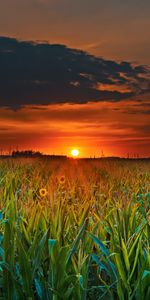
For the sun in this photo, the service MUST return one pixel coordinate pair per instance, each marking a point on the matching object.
(75, 152)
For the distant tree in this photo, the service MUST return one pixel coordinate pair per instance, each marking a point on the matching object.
(26, 153)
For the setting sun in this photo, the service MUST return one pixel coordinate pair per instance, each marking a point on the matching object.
(75, 152)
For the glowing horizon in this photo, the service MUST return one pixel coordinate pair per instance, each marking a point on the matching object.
(67, 82)
(84, 127)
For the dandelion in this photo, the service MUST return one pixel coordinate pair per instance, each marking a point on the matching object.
(62, 180)
(43, 192)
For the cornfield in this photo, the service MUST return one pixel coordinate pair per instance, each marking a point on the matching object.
(74, 229)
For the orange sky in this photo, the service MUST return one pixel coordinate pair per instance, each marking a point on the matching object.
(96, 105)
(92, 128)
(113, 29)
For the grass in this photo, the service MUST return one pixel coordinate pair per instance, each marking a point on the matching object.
(86, 237)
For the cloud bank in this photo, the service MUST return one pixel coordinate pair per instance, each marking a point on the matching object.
(41, 74)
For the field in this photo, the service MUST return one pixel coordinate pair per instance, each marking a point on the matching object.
(74, 229)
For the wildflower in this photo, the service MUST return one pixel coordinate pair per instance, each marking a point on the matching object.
(62, 180)
(43, 192)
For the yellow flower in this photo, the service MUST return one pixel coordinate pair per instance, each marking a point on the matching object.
(62, 180)
(43, 192)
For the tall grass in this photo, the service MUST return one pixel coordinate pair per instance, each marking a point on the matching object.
(87, 238)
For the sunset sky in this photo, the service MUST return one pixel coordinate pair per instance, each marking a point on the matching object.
(75, 74)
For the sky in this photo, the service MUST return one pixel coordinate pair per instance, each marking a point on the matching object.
(75, 74)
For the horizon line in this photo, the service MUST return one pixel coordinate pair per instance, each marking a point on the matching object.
(36, 153)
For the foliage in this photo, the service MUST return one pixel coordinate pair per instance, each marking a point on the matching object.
(86, 237)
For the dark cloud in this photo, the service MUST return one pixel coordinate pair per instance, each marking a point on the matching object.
(41, 73)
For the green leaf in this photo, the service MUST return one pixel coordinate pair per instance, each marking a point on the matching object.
(135, 260)
(97, 241)
(38, 288)
(125, 255)
(51, 243)
(145, 274)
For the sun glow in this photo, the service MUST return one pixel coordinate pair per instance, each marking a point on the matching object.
(75, 152)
